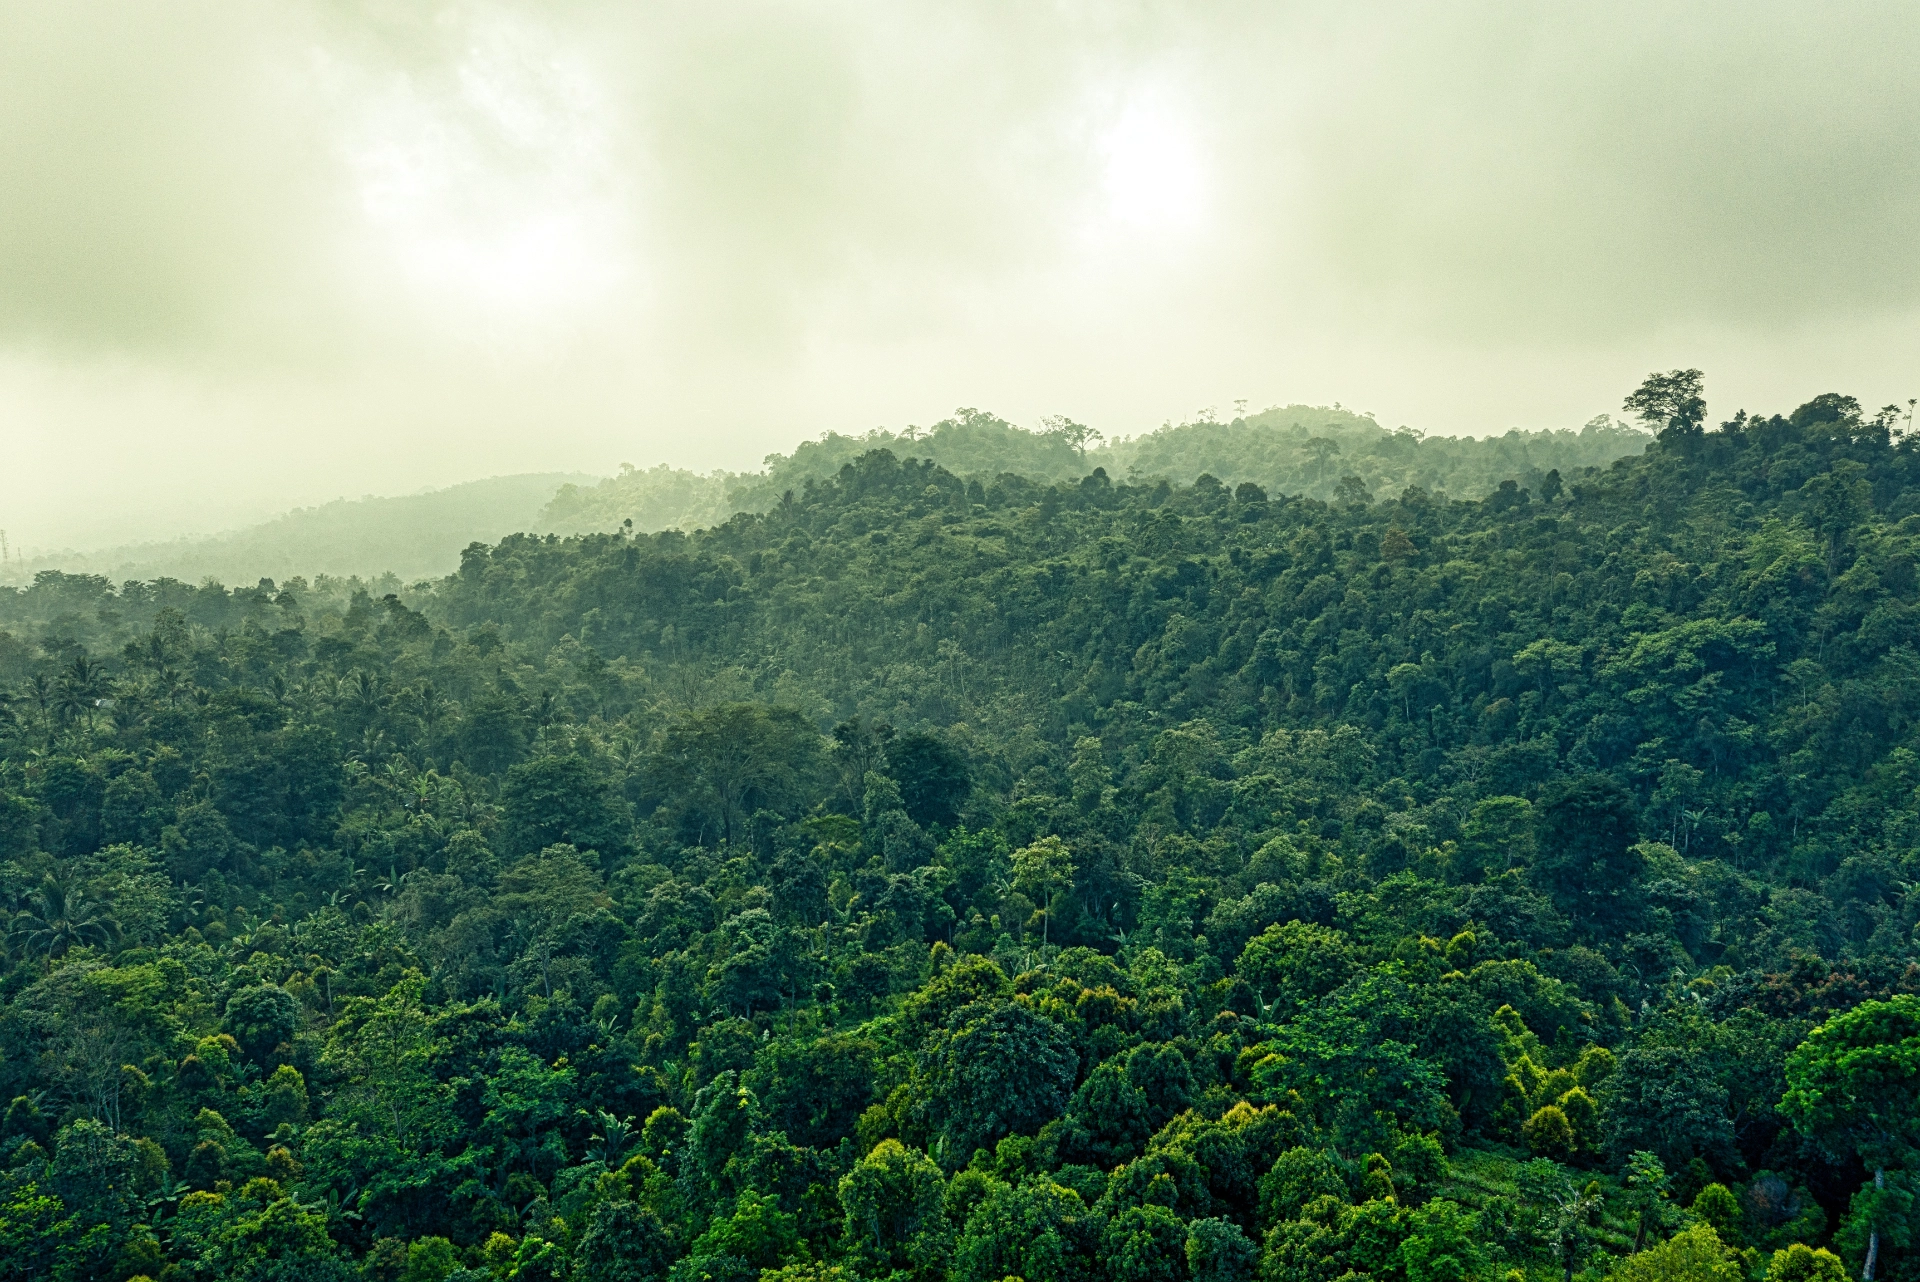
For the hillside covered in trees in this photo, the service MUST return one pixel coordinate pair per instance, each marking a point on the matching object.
(409, 537)
(1294, 449)
(393, 540)
(935, 878)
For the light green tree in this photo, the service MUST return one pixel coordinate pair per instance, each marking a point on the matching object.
(895, 1222)
(1042, 869)
(1695, 1255)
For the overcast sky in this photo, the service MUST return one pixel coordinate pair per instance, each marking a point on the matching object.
(254, 256)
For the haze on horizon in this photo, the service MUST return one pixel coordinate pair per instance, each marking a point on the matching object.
(258, 257)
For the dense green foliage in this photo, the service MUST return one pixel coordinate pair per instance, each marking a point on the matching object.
(939, 878)
(1295, 449)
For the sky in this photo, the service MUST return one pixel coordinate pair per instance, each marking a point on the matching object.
(260, 256)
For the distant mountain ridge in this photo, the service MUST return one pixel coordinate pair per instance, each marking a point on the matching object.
(1294, 449)
(411, 536)
(1317, 451)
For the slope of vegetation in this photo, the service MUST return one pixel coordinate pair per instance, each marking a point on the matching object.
(939, 878)
(1307, 451)
(411, 537)
(655, 498)
(1298, 449)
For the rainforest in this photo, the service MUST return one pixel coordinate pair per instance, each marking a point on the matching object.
(935, 874)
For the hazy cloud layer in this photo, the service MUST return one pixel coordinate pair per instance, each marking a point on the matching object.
(253, 256)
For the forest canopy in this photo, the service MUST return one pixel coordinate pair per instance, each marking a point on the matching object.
(388, 541)
(1296, 449)
(938, 875)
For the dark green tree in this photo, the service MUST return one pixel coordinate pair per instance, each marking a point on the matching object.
(735, 759)
(1003, 1070)
(934, 778)
(896, 1221)
(563, 800)
(261, 1017)
(1671, 403)
(625, 1242)
(1586, 856)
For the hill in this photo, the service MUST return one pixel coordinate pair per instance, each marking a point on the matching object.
(957, 878)
(411, 536)
(1292, 450)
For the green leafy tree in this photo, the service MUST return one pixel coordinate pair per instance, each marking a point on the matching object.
(524, 1098)
(1296, 963)
(934, 778)
(1693, 1255)
(1298, 1177)
(430, 1259)
(1343, 1063)
(625, 1242)
(1037, 1230)
(552, 801)
(1043, 869)
(1218, 1250)
(39, 1237)
(1145, 1244)
(1111, 1118)
(550, 900)
(1649, 1194)
(257, 1234)
(895, 1214)
(1715, 1205)
(735, 759)
(1003, 1071)
(1838, 502)
(1443, 1244)
(261, 1017)
(1802, 1263)
(387, 1121)
(1587, 859)
(1498, 835)
(1853, 1085)
(1670, 403)
(1666, 1101)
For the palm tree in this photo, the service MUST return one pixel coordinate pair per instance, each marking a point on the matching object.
(611, 1137)
(169, 682)
(366, 695)
(432, 706)
(82, 685)
(42, 695)
(59, 918)
(69, 704)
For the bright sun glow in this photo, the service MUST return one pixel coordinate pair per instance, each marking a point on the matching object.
(1153, 176)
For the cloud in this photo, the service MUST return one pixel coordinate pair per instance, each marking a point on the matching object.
(328, 246)
(1601, 170)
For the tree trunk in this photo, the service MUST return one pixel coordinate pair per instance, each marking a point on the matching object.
(1873, 1233)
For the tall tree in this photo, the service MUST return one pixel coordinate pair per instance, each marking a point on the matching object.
(731, 760)
(1671, 403)
(1854, 1085)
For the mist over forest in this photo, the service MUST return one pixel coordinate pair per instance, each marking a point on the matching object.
(1298, 449)
(997, 854)
(626, 654)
